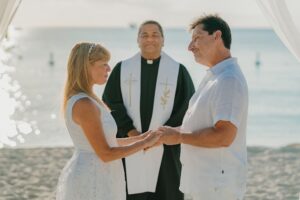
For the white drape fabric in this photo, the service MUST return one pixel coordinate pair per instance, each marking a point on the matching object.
(8, 9)
(279, 16)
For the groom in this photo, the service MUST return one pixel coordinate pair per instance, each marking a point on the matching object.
(145, 92)
(213, 131)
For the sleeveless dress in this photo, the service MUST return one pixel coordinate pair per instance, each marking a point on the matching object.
(86, 176)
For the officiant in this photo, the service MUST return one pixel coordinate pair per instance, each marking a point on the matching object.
(146, 91)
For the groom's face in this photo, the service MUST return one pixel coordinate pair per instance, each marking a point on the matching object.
(202, 44)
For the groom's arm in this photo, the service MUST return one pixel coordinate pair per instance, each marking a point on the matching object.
(221, 135)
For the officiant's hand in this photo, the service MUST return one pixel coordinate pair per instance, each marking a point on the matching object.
(169, 135)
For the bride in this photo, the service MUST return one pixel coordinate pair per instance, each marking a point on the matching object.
(95, 170)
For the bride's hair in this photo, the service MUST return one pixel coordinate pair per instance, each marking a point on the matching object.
(82, 56)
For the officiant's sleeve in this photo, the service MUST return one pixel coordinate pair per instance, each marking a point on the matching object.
(184, 91)
(112, 96)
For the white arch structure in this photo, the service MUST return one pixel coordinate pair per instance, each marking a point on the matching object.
(8, 9)
(279, 16)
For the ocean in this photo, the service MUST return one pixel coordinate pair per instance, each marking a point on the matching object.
(33, 69)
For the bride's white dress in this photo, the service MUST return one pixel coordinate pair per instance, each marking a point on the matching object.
(86, 176)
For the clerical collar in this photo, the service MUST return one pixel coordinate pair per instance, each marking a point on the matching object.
(150, 62)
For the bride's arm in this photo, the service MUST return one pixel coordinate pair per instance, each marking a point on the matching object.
(87, 115)
(130, 140)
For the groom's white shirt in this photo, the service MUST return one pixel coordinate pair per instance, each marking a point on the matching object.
(222, 95)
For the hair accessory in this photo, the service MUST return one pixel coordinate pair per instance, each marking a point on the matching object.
(91, 48)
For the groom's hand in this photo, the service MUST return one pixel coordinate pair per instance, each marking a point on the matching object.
(170, 135)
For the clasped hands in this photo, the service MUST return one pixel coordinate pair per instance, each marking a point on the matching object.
(166, 135)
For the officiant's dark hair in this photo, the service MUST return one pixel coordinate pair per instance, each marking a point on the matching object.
(212, 23)
(152, 22)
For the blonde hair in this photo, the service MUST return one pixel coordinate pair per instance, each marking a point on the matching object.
(82, 56)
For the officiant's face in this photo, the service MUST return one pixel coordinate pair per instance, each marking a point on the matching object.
(150, 41)
(98, 72)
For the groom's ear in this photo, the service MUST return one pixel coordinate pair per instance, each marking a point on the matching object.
(217, 35)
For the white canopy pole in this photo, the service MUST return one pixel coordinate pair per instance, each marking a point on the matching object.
(8, 9)
(277, 12)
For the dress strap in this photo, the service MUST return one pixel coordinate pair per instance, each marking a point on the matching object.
(72, 101)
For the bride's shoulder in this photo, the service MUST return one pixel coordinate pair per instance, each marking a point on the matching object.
(85, 108)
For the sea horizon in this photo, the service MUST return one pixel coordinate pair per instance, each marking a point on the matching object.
(31, 87)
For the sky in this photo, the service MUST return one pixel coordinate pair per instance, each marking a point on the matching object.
(120, 13)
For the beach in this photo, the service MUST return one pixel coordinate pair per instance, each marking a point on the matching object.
(273, 173)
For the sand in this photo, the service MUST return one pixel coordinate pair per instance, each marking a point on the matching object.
(274, 173)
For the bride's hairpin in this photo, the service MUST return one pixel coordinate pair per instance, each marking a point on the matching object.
(91, 48)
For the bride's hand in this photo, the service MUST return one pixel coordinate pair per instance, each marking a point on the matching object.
(152, 138)
(145, 134)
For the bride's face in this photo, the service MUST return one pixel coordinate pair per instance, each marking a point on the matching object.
(98, 72)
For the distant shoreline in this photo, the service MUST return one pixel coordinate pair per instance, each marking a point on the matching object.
(291, 145)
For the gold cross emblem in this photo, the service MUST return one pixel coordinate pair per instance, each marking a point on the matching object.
(129, 82)
(166, 94)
